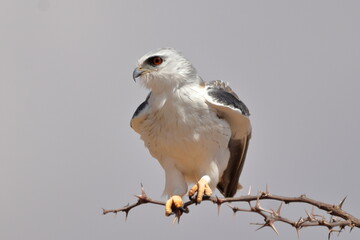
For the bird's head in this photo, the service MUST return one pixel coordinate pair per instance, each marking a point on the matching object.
(165, 69)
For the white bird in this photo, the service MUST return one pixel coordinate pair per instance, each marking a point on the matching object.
(199, 132)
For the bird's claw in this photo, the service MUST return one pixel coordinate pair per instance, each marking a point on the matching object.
(175, 205)
(192, 198)
(203, 191)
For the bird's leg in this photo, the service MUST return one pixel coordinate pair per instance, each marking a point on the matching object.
(172, 204)
(202, 188)
(175, 188)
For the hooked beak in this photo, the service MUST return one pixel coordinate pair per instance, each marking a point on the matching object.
(137, 73)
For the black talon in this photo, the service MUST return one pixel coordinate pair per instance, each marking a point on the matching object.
(179, 211)
(206, 197)
(193, 199)
(184, 209)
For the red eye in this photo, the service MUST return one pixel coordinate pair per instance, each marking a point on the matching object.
(156, 60)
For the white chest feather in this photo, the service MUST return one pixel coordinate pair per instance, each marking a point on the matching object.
(185, 131)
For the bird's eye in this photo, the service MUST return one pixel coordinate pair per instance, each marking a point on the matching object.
(156, 61)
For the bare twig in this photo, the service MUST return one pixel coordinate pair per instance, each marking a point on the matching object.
(142, 198)
(338, 218)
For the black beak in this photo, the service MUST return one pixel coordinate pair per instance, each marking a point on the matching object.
(137, 73)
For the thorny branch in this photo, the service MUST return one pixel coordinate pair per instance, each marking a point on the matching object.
(338, 218)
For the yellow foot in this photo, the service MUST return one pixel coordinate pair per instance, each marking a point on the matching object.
(202, 188)
(172, 204)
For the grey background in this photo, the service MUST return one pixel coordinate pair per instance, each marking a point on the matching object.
(67, 96)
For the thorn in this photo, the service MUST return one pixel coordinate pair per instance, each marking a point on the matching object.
(342, 202)
(236, 209)
(257, 205)
(178, 213)
(258, 208)
(142, 197)
(299, 222)
(310, 216)
(143, 191)
(262, 226)
(232, 208)
(297, 232)
(126, 214)
(313, 211)
(267, 190)
(139, 196)
(269, 223)
(330, 232)
(279, 209)
(257, 224)
(273, 228)
(323, 221)
(249, 192)
(341, 228)
(218, 202)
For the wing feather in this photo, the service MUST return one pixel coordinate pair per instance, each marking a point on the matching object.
(229, 107)
(140, 114)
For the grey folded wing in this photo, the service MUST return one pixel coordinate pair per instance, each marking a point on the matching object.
(140, 114)
(229, 107)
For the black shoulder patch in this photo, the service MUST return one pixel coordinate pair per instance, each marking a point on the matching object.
(228, 99)
(141, 106)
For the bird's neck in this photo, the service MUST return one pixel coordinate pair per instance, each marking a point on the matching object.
(171, 84)
(173, 96)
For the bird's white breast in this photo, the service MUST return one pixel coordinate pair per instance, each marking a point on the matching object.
(180, 127)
